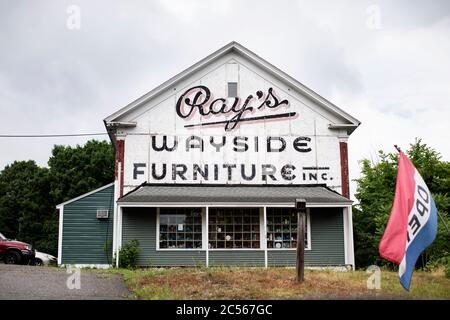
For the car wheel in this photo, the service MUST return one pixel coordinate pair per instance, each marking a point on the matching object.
(38, 262)
(13, 257)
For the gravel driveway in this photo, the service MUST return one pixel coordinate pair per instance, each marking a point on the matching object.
(29, 282)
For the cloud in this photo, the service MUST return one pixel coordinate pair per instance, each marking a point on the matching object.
(394, 79)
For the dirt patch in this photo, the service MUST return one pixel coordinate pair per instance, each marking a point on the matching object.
(277, 283)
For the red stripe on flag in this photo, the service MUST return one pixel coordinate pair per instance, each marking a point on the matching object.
(393, 243)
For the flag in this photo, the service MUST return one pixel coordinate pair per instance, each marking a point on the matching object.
(412, 226)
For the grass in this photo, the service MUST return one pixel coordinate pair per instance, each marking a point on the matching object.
(276, 283)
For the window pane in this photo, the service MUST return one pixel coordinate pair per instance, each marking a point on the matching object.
(220, 244)
(164, 220)
(282, 228)
(234, 228)
(181, 244)
(180, 228)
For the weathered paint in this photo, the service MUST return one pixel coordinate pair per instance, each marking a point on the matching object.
(157, 119)
(120, 149)
(343, 151)
(84, 237)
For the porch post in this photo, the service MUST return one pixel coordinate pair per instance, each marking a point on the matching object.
(119, 234)
(264, 236)
(117, 193)
(351, 251)
(348, 237)
(300, 205)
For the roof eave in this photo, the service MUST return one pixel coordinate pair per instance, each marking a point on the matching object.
(111, 128)
(344, 126)
(135, 196)
(59, 206)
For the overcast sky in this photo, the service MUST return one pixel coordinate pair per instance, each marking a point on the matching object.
(385, 62)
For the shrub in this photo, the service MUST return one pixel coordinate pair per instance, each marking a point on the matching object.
(439, 264)
(128, 255)
(447, 268)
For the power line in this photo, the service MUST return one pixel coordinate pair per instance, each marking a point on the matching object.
(50, 135)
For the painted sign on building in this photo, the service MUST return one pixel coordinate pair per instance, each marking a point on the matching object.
(233, 159)
(212, 150)
(232, 122)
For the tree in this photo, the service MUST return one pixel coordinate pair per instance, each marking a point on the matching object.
(29, 194)
(375, 195)
(77, 170)
(26, 210)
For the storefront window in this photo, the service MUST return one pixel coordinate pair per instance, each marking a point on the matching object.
(282, 228)
(180, 228)
(234, 228)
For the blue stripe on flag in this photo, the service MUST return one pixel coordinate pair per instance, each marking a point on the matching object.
(423, 239)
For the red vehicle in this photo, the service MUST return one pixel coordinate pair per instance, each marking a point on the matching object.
(15, 252)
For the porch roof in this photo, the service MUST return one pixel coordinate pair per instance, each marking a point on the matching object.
(208, 193)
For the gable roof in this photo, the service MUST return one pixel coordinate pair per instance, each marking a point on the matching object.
(350, 123)
(59, 206)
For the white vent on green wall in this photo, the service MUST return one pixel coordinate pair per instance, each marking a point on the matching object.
(102, 214)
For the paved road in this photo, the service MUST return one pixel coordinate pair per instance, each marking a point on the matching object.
(46, 283)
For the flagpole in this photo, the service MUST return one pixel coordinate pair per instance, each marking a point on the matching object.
(442, 218)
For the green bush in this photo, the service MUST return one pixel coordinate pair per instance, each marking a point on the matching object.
(375, 195)
(447, 267)
(439, 263)
(128, 255)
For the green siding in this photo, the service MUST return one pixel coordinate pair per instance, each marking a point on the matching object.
(84, 236)
(140, 224)
(236, 258)
(283, 258)
(327, 241)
